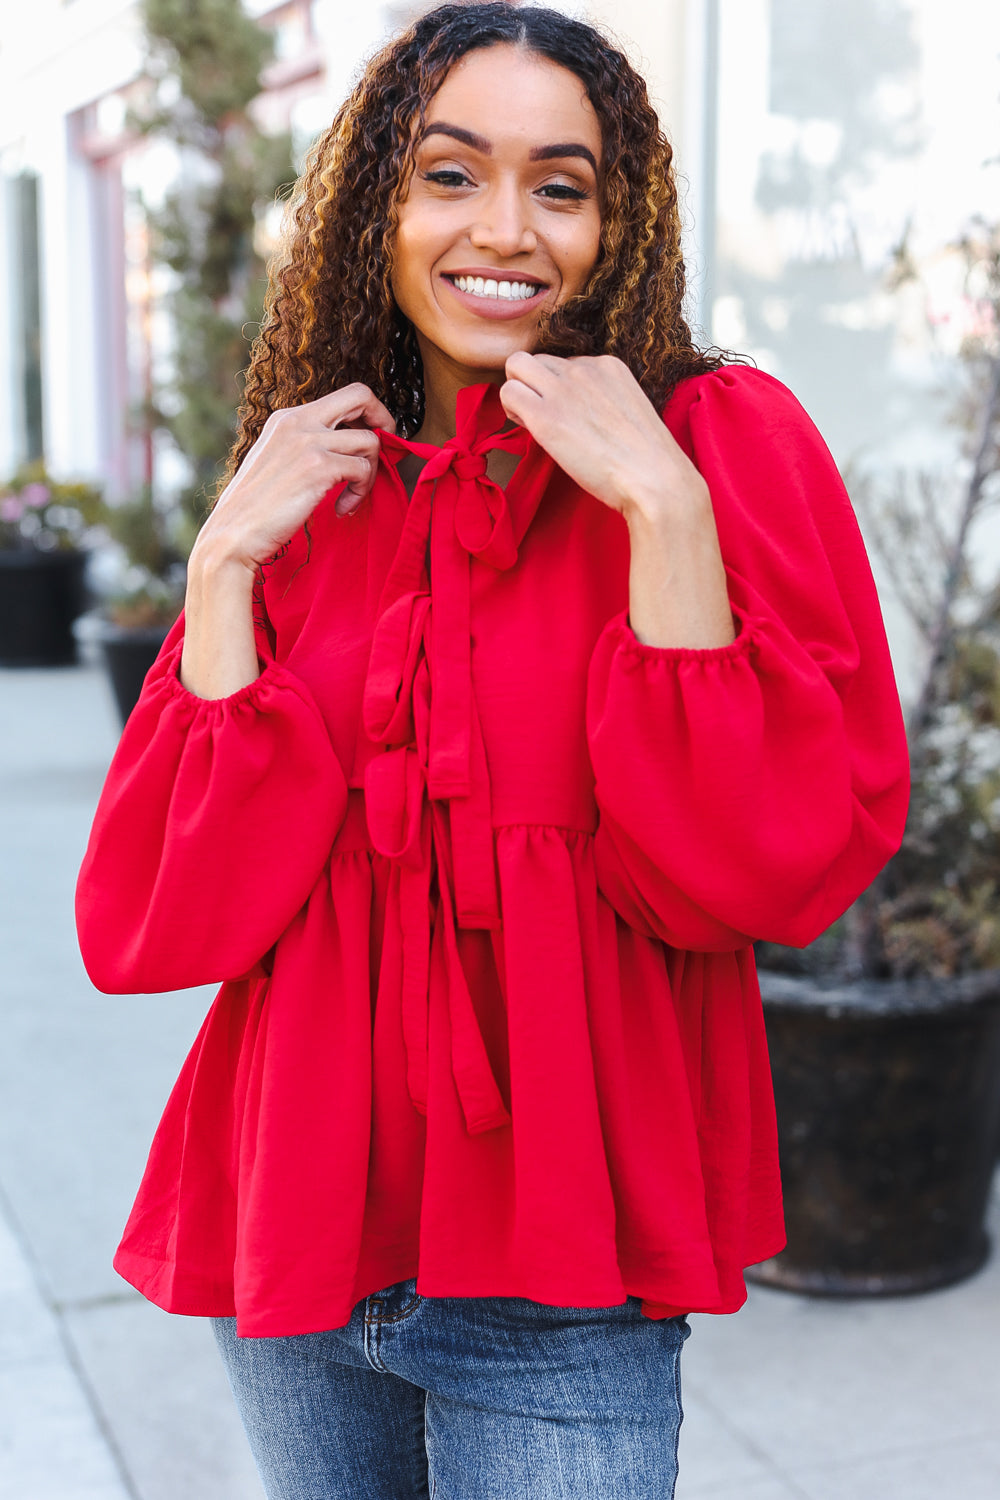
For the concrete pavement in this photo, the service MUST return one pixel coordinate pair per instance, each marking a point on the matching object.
(103, 1397)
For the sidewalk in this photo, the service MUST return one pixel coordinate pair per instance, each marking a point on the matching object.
(103, 1397)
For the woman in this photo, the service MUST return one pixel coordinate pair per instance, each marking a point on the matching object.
(530, 669)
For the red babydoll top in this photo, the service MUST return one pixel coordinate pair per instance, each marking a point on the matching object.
(479, 873)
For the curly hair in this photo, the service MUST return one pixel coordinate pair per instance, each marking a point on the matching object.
(330, 317)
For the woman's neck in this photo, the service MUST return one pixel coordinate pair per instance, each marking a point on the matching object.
(442, 383)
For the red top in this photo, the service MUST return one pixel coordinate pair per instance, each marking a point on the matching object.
(479, 873)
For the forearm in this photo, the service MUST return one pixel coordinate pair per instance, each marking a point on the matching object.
(677, 582)
(220, 652)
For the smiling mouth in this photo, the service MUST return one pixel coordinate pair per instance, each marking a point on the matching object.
(497, 291)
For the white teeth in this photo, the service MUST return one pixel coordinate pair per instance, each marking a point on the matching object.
(508, 291)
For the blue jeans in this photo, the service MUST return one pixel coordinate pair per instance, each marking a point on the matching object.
(464, 1398)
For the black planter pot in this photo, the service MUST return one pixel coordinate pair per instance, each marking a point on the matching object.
(41, 594)
(888, 1102)
(129, 652)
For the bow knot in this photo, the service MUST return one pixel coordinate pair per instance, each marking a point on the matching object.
(469, 465)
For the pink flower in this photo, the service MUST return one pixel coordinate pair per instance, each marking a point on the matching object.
(11, 508)
(36, 495)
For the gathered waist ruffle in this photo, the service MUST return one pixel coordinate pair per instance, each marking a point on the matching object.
(638, 1153)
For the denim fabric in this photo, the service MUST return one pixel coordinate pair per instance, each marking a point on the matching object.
(464, 1398)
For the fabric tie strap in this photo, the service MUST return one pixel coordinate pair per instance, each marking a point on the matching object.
(426, 744)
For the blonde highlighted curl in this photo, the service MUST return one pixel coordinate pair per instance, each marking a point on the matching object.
(330, 317)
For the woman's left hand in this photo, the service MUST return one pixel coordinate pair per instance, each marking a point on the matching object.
(593, 417)
(595, 420)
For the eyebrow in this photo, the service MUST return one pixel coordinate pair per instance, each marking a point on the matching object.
(564, 148)
(481, 144)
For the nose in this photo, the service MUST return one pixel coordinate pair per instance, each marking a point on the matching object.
(504, 223)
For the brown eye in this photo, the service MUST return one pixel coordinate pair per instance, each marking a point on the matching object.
(561, 191)
(446, 177)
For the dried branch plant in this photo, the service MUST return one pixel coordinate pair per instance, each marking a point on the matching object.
(935, 909)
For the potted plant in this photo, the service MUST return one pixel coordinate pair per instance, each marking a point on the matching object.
(46, 526)
(203, 72)
(143, 589)
(885, 1034)
(204, 65)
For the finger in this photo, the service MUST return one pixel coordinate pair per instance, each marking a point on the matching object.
(355, 480)
(521, 402)
(367, 408)
(536, 370)
(557, 364)
(524, 367)
(355, 441)
(347, 502)
(520, 359)
(357, 444)
(353, 403)
(355, 473)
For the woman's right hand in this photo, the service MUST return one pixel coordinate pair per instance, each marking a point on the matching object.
(302, 453)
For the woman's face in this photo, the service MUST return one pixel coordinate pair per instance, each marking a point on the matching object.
(501, 219)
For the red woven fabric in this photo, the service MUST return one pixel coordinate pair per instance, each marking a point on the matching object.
(478, 873)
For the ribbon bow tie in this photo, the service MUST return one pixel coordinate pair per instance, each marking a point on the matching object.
(427, 789)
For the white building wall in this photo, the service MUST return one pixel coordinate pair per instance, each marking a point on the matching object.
(10, 397)
(888, 129)
(669, 42)
(71, 379)
(56, 59)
